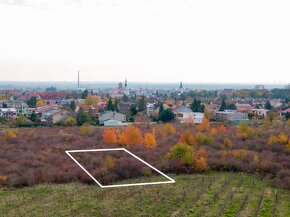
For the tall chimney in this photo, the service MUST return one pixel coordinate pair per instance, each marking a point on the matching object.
(78, 78)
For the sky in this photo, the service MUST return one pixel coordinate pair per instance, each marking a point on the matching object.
(200, 41)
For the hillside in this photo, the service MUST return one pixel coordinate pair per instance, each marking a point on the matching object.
(212, 194)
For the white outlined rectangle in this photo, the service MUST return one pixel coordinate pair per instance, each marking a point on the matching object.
(121, 185)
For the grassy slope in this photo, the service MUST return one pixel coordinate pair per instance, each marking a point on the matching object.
(213, 194)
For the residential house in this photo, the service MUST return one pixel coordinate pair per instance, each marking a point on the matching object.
(284, 111)
(276, 103)
(9, 113)
(110, 115)
(21, 107)
(231, 116)
(244, 106)
(260, 112)
(152, 108)
(54, 116)
(184, 114)
(114, 123)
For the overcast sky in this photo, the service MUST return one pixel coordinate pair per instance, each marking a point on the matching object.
(145, 40)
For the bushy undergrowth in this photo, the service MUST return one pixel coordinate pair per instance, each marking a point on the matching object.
(32, 156)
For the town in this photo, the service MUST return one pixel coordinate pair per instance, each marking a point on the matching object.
(122, 105)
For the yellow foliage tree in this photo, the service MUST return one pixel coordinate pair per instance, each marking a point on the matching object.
(213, 132)
(70, 121)
(266, 123)
(204, 125)
(282, 138)
(40, 103)
(150, 140)
(272, 140)
(244, 131)
(86, 130)
(92, 100)
(9, 134)
(227, 143)
(166, 130)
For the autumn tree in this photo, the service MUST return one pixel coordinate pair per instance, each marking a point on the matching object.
(150, 140)
(92, 100)
(167, 129)
(197, 160)
(183, 153)
(131, 135)
(221, 128)
(189, 121)
(200, 160)
(110, 136)
(40, 103)
(227, 143)
(204, 125)
(21, 121)
(244, 131)
(187, 138)
(213, 132)
(9, 134)
(86, 130)
(70, 121)
(266, 123)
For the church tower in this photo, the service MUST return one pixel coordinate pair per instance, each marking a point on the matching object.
(181, 87)
(126, 90)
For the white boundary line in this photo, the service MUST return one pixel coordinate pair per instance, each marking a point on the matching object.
(123, 185)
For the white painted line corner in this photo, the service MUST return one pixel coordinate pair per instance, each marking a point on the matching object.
(171, 181)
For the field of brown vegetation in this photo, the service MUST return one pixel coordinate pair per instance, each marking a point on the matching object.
(31, 156)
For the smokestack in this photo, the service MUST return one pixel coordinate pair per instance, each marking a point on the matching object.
(78, 78)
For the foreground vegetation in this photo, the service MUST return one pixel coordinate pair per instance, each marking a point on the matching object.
(35, 156)
(212, 194)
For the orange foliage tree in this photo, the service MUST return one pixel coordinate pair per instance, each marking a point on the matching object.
(187, 138)
(110, 136)
(200, 161)
(131, 135)
(40, 102)
(221, 128)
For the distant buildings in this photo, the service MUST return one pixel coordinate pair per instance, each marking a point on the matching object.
(126, 90)
(110, 115)
(152, 108)
(184, 115)
(9, 113)
(51, 89)
(284, 112)
(244, 106)
(260, 112)
(231, 116)
(259, 87)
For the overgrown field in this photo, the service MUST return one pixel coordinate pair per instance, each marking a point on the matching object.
(212, 194)
(36, 156)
